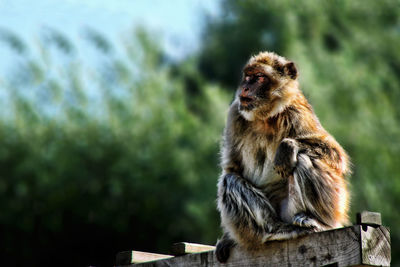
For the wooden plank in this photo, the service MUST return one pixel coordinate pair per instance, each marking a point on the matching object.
(183, 248)
(350, 246)
(131, 257)
(369, 218)
(340, 246)
(375, 246)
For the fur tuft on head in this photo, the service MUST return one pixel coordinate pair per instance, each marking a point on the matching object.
(282, 66)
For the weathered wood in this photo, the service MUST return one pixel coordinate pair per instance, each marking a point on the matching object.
(131, 257)
(369, 218)
(183, 248)
(375, 245)
(351, 246)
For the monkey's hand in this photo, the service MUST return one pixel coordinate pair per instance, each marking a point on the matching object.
(286, 157)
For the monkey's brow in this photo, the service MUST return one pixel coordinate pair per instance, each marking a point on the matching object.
(252, 70)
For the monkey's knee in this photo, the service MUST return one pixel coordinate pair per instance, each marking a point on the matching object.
(229, 181)
(286, 157)
(223, 249)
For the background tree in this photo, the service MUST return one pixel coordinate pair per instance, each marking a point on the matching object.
(91, 169)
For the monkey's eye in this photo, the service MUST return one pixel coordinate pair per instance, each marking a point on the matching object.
(261, 78)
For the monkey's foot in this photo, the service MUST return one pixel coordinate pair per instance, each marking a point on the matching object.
(288, 231)
(304, 220)
(223, 249)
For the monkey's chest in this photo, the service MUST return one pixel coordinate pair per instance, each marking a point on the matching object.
(257, 162)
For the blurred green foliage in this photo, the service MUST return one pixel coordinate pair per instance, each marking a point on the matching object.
(89, 175)
(124, 155)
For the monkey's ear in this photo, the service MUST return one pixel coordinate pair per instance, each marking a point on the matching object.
(290, 70)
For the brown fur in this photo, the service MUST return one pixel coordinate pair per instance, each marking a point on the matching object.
(275, 153)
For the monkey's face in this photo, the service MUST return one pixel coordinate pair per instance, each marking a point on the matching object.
(256, 87)
(263, 88)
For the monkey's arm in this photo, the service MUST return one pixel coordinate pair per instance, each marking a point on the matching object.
(316, 188)
(286, 157)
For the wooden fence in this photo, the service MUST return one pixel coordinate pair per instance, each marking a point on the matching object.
(364, 244)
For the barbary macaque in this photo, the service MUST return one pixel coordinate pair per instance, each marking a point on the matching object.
(283, 175)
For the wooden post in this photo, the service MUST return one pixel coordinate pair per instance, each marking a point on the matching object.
(182, 248)
(369, 218)
(132, 257)
(367, 244)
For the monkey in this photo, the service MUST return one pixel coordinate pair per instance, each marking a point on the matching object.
(283, 175)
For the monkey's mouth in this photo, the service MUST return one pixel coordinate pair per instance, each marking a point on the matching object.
(246, 103)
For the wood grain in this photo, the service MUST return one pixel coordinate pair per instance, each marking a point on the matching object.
(183, 248)
(369, 218)
(375, 246)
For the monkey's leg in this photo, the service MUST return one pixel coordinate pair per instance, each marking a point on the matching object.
(248, 215)
(244, 205)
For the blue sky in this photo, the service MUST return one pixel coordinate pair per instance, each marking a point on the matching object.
(177, 22)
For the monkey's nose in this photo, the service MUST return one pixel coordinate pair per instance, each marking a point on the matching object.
(245, 93)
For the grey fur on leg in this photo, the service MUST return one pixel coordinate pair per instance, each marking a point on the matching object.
(249, 210)
(245, 205)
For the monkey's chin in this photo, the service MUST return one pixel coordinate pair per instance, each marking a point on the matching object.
(247, 114)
